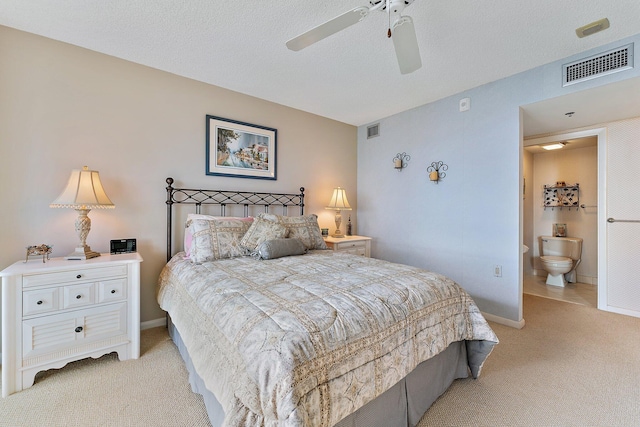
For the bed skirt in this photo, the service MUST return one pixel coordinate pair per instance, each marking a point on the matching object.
(404, 404)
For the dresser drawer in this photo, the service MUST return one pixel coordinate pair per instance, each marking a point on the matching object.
(75, 275)
(60, 331)
(79, 295)
(40, 301)
(342, 246)
(355, 250)
(350, 246)
(112, 290)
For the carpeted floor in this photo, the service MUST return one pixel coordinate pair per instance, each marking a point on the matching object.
(151, 391)
(569, 366)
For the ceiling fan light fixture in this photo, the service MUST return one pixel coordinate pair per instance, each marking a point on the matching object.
(402, 32)
(328, 28)
(405, 43)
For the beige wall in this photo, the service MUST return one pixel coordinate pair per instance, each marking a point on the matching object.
(62, 107)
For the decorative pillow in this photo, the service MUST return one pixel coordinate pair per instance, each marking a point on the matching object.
(260, 231)
(303, 227)
(277, 248)
(217, 239)
(188, 234)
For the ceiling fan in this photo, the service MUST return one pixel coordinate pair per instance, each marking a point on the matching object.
(400, 29)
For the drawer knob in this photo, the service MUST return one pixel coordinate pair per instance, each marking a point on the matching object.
(39, 302)
(78, 276)
(79, 329)
(78, 296)
(113, 291)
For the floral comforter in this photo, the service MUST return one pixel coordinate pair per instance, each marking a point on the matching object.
(306, 340)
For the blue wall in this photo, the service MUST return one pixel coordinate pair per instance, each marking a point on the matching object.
(469, 222)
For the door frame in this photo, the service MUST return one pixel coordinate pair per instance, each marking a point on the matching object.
(601, 134)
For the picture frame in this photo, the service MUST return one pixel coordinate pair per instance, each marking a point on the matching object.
(560, 230)
(239, 149)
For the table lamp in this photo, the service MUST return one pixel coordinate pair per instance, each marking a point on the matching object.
(83, 192)
(339, 203)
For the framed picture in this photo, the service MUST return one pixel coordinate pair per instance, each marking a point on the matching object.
(240, 149)
(560, 230)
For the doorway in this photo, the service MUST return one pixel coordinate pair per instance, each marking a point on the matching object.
(614, 108)
(573, 163)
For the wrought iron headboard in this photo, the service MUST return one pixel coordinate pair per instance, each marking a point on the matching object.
(222, 198)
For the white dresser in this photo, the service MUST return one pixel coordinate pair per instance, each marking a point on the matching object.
(59, 311)
(358, 245)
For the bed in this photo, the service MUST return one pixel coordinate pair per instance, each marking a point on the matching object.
(275, 330)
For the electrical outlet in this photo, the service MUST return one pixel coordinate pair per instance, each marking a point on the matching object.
(497, 270)
(465, 104)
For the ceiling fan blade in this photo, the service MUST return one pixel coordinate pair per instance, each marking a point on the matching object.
(318, 33)
(405, 43)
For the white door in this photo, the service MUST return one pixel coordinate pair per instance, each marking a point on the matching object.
(619, 218)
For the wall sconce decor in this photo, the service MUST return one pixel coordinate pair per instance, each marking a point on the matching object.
(436, 171)
(401, 161)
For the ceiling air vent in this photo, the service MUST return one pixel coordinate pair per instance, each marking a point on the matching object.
(612, 61)
(373, 131)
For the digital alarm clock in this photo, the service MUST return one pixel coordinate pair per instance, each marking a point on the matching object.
(123, 246)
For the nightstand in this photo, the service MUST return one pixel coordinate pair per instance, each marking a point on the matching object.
(59, 311)
(358, 245)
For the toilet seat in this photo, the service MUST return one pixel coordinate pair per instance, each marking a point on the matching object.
(557, 261)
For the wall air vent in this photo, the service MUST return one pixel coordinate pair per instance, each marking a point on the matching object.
(599, 65)
(373, 131)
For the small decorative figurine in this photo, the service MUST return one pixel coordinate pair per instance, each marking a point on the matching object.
(44, 250)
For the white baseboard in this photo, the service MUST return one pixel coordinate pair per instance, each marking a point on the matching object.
(617, 310)
(153, 323)
(503, 321)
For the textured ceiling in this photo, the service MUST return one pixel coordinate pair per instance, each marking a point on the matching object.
(351, 76)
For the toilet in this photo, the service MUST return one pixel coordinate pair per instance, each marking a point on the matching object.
(559, 257)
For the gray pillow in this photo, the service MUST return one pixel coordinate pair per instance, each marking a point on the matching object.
(277, 248)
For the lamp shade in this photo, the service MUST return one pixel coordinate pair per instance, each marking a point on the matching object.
(339, 200)
(83, 191)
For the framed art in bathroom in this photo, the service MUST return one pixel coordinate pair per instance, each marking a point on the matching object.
(238, 149)
(560, 230)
